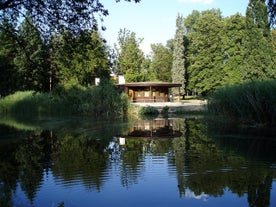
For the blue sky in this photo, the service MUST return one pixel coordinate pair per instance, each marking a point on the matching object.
(154, 20)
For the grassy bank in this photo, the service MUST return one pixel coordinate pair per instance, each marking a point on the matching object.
(100, 101)
(250, 103)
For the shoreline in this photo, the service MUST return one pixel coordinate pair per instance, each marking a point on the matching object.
(194, 105)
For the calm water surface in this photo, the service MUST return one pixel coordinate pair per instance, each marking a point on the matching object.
(158, 162)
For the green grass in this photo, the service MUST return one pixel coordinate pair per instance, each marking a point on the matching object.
(251, 102)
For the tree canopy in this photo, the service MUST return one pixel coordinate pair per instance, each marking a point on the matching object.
(130, 56)
(54, 15)
(162, 61)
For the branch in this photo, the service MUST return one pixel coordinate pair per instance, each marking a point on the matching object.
(9, 4)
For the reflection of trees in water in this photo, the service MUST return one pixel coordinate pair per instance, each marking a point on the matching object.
(80, 158)
(201, 164)
(8, 174)
(24, 162)
(204, 168)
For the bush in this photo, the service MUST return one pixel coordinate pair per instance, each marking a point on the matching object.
(103, 100)
(253, 102)
(148, 110)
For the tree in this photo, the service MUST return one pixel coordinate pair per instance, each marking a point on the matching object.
(233, 37)
(83, 57)
(8, 51)
(178, 64)
(54, 15)
(161, 64)
(190, 20)
(130, 56)
(273, 34)
(205, 52)
(259, 58)
(32, 58)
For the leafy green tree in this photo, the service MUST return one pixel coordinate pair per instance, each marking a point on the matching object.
(178, 64)
(83, 57)
(31, 59)
(259, 58)
(190, 20)
(233, 49)
(130, 56)
(8, 51)
(205, 52)
(162, 62)
(273, 34)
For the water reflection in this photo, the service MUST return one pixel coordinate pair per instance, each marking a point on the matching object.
(187, 157)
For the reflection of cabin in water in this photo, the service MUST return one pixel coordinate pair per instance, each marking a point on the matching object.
(148, 91)
(158, 128)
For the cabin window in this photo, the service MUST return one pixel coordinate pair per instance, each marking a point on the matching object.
(139, 94)
(146, 93)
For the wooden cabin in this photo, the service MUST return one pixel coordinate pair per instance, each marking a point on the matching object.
(148, 91)
(153, 129)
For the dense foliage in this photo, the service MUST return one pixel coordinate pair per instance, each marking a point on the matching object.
(252, 102)
(130, 56)
(230, 50)
(33, 64)
(102, 101)
(208, 51)
(178, 64)
(161, 64)
(52, 16)
(83, 57)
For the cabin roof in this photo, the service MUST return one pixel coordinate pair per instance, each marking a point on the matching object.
(147, 84)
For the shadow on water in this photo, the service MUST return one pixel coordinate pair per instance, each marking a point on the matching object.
(209, 161)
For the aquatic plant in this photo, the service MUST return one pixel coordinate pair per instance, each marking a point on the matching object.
(250, 102)
(99, 101)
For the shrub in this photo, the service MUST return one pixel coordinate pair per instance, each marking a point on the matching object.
(148, 110)
(165, 110)
(103, 100)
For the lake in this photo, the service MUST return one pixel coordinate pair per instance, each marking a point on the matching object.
(188, 161)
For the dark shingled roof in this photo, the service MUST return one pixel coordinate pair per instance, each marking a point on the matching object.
(146, 84)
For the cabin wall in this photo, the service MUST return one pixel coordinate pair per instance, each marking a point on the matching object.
(148, 94)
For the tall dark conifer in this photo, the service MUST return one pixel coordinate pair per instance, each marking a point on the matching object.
(32, 58)
(79, 58)
(8, 51)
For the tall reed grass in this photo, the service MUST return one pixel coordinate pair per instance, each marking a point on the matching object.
(99, 101)
(252, 102)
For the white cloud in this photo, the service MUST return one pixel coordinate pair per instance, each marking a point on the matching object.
(197, 1)
(190, 194)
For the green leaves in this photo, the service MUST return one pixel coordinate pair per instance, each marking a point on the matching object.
(162, 62)
(232, 50)
(205, 52)
(178, 64)
(31, 58)
(130, 56)
(83, 57)
(260, 57)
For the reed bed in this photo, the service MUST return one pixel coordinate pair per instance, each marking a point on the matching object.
(103, 100)
(251, 102)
